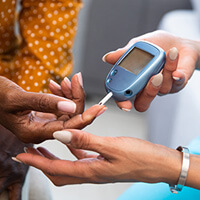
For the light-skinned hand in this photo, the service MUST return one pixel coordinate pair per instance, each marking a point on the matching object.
(182, 58)
(116, 159)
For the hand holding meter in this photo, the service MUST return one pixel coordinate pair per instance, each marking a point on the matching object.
(133, 70)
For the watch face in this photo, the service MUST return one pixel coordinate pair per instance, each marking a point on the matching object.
(136, 60)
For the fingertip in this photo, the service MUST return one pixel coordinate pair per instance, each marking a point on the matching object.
(101, 111)
(54, 84)
(80, 79)
(173, 54)
(104, 58)
(16, 159)
(125, 105)
(66, 106)
(157, 80)
(55, 88)
(178, 75)
(113, 56)
(63, 136)
(94, 111)
(67, 82)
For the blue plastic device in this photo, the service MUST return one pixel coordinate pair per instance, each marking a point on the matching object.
(133, 70)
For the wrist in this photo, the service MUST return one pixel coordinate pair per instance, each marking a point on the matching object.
(184, 170)
(169, 166)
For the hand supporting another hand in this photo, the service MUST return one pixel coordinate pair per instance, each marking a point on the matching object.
(33, 117)
(182, 58)
(118, 159)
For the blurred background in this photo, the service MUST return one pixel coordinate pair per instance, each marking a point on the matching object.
(105, 25)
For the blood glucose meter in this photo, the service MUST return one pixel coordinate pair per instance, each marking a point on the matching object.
(133, 70)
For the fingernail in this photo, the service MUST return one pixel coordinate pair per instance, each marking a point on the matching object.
(63, 136)
(104, 57)
(16, 160)
(173, 53)
(68, 82)
(80, 79)
(66, 106)
(176, 78)
(55, 84)
(25, 149)
(101, 111)
(126, 110)
(157, 80)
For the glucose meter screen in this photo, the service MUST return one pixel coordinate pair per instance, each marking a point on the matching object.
(136, 60)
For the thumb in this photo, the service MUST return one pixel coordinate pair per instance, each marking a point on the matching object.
(79, 139)
(113, 56)
(46, 103)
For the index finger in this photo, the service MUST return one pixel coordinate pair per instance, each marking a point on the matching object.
(125, 105)
(144, 99)
(45, 131)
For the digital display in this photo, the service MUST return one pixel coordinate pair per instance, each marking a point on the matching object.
(136, 60)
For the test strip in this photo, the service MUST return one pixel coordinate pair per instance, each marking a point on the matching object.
(106, 98)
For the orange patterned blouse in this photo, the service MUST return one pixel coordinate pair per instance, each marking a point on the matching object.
(44, 49)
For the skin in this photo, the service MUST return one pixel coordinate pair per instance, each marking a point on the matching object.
(16, 108)
(128, 165)
(135, 160)
(33, 117)
(182, 68)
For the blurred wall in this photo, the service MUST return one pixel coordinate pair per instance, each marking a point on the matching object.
(106, 25)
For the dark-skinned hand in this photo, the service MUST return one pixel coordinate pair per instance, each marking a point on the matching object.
(33, 117)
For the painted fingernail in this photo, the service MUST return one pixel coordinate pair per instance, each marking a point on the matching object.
(104, 57)
(157, 80)
(101, 111)
(56, 85)
(68, 82)
(176, 78)
(66, 106)
(16, 160)
(173, 53)
(63, 136)
(80, 79)
(25, 149)
(126, 110)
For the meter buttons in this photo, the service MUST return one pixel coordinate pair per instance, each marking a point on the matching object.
(109, 80)
(114, 72)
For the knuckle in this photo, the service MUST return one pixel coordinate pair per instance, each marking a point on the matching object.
(150, 94)
(82, 141)
(49, 169)
(12, 100)
(165, 90)
(43, 102)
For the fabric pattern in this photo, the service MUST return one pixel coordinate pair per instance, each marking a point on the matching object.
(43, 50)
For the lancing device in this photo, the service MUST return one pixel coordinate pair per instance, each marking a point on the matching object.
(133, 70)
